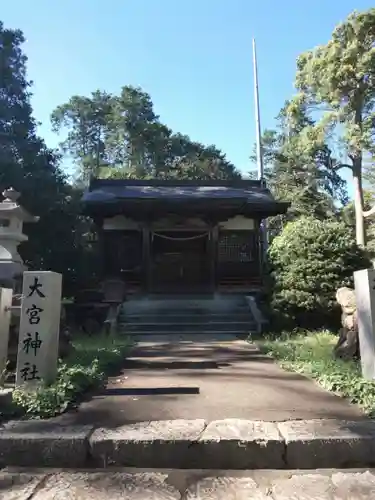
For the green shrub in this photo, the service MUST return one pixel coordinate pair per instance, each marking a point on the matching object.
(311, 355)
(94, 358)
(309, 261)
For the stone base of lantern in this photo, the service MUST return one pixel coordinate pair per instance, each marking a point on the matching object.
(11, 274)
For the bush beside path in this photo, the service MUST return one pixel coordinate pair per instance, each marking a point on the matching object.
(87, 368)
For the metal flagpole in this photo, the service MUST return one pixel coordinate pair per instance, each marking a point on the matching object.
(259, 143)
(257, 116)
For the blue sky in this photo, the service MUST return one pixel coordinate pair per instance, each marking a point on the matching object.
(193, 57)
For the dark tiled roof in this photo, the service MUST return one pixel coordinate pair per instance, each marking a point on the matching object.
(104, 195)
(116, 193)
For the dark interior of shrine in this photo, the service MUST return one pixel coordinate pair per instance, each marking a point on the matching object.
(179, 258)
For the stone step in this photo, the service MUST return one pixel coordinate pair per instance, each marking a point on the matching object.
(182, 327)
(178, 331)
(197, 306)
(178, 312)
(186, 318)
(184, 310)
(185, 299)
(231, 444)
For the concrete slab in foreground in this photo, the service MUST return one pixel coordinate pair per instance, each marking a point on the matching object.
(44, 443)
(328, 443)
(190, 485)
(186, 444)
(237, 444)
(166, 443)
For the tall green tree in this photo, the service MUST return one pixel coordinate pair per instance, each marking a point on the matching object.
(121, 136)
(303, 177)
(136, 132)
(24, 158)
(31, 168)
(87, 121)
(337, 80)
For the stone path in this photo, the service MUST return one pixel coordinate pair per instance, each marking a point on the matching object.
(187, 485)
(203, 404)
(212, 378)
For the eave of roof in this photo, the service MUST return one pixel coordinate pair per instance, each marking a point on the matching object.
(126, 196)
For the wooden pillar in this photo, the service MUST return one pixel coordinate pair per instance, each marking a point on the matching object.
(214, 232)
(146, 257)
(259, 242)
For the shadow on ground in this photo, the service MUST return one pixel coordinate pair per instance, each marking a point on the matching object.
(210, 378)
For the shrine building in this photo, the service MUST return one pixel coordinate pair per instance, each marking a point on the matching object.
(178, 237)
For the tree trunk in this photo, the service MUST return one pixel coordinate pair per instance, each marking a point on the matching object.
(358, 202)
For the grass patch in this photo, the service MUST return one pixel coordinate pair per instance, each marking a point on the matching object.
(311, 354)
(87, 368)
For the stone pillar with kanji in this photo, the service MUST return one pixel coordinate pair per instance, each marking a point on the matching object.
(365, 300)
(38, 341)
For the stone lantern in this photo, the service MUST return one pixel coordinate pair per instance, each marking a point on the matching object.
(12, 217)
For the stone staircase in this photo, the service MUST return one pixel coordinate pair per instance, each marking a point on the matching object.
(165, 315)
